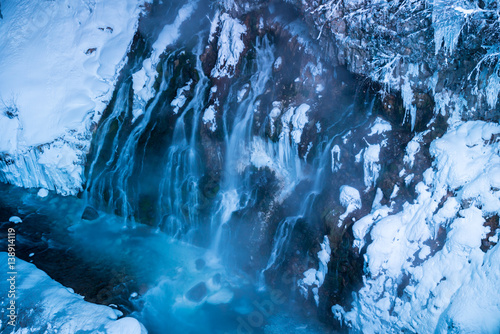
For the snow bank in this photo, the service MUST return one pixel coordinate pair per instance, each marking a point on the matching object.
(43, 306)
(59, 62)
(415, 284)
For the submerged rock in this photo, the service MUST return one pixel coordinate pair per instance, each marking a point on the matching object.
(200, 264)
(197, 293)
(90, 213)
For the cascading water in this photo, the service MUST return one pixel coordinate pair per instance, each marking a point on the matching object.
(235, 188)
(179, 201)
(286, 226)
(222, 227)
(237, 168)
(112, 184)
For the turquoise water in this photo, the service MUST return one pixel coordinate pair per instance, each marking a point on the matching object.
(143, 272)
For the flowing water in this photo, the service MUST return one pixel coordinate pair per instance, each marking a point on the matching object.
(180, 205)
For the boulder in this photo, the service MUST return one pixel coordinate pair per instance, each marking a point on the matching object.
(90, 213)
(197, 293)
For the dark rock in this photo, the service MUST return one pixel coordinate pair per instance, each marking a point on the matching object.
(90, 213)
(197, 293)
(200, 264)
(217, 279)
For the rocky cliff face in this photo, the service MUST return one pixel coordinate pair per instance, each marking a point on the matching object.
(432, 65)
(429, 51)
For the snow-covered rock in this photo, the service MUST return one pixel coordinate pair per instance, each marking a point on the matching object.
(380, 126)
(45, 306)
(350, 200)
(180, 99)
(315, 278)
(144, 79)
(299, 120)
(59, 62)
(371, 165)
(449, 287)
(230, 46)
(209, 118)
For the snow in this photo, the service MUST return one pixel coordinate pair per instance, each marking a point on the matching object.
(335, 152)
(450, 287)
(275, 112)
(209, 118)
(395, 191)
(350, 200)
(242, 93)
(277, 63)
(125, 325)
(214, 23)
(261, 23)
(318, 127)
(144, 79)
(223, 296)
(43, 193)
(359, 156)
(59, 62)
(180, 99)
(230, 46)
(371, 167)
(350, 196)
(363, 225)
(47, 306)
(411, 149)
(315, 278)
(379, 126)
(408, 179)
(15, 220)
(299, 120)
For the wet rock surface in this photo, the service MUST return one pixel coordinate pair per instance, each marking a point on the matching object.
(90, 213)
(197, 293)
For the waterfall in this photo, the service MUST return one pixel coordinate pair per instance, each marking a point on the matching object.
(148, 160)
(238, 136)
(179, 183)
(119, 158)
(285, 228)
